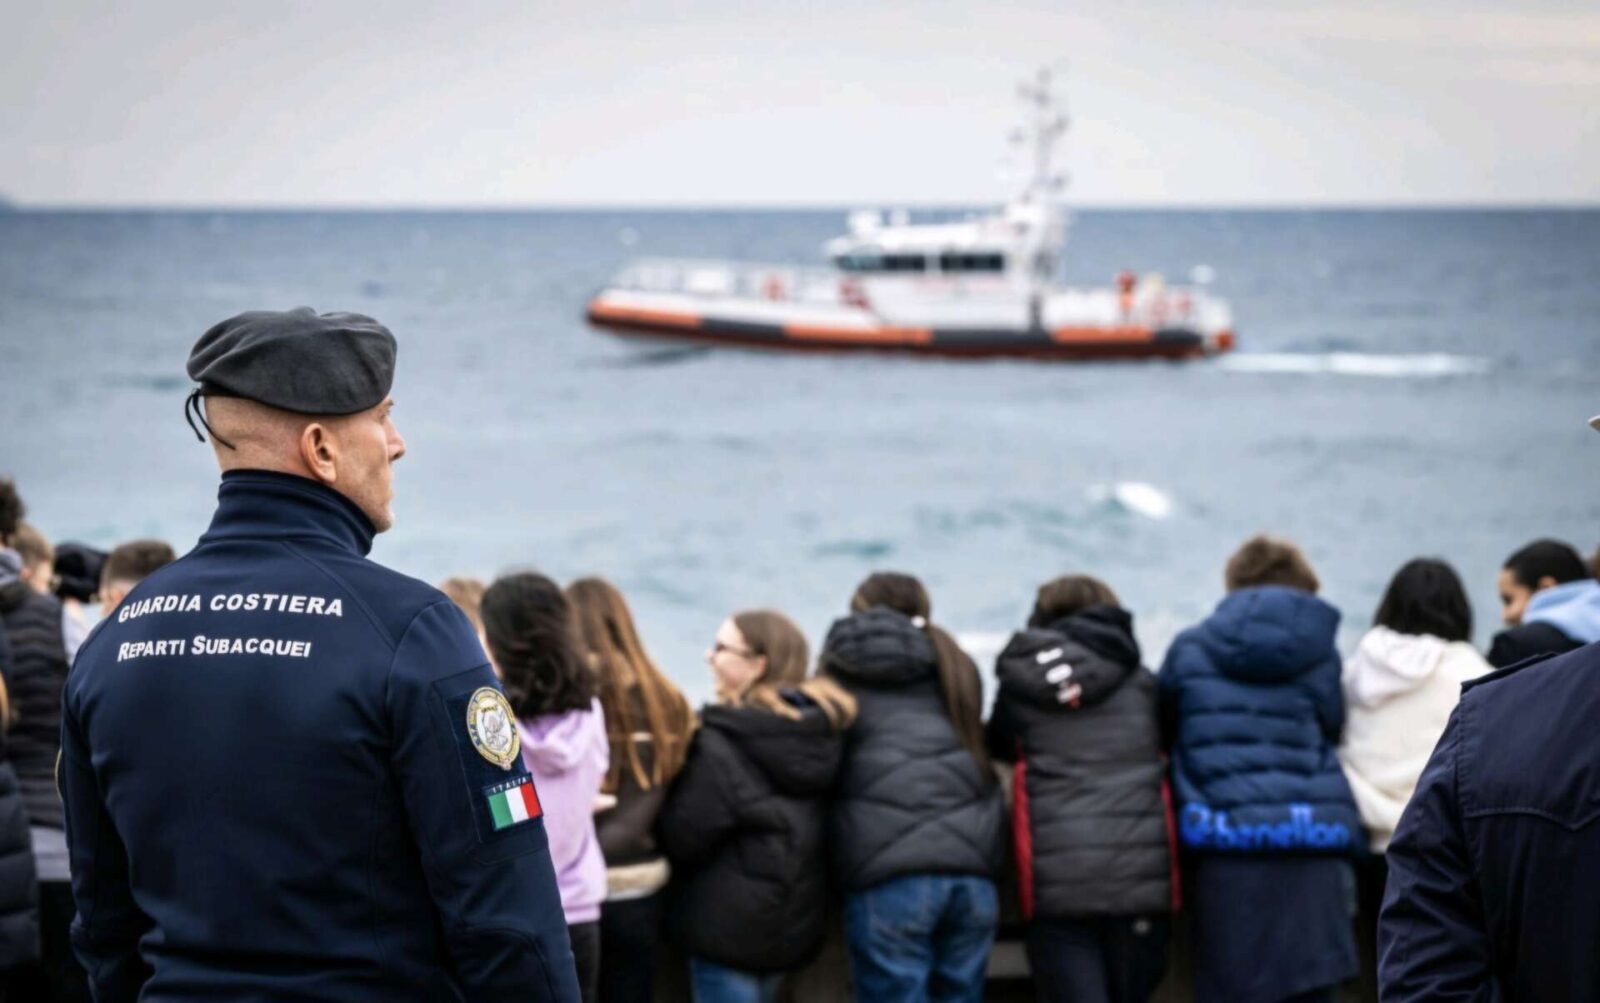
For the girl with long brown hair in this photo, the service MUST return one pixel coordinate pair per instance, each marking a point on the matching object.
(918, 816)
(744, 824)
(648, 724)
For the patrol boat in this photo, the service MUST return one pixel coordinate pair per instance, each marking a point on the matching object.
(977, 287)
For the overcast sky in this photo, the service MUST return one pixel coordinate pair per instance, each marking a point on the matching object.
(180, 102)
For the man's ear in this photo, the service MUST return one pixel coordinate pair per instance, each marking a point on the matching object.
(319, 451)
(1545, 582)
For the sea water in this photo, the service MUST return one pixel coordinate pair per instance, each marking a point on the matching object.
(1407, 383)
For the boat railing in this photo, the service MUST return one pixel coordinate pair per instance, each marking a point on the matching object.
(1154, 305)
(721, 279)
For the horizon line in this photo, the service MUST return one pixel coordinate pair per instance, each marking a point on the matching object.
(1443, 205)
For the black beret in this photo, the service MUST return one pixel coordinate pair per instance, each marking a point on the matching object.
(297, 360)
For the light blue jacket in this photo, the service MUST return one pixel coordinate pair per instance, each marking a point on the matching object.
(1572, 608)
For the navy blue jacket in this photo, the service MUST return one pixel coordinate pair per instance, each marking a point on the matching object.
(1494, 871)
(1252, 707)
(272, 787)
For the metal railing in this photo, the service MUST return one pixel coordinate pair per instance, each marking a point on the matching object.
(732, 279)
(1152, 306)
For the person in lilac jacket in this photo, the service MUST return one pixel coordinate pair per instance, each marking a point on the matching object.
(529, 628)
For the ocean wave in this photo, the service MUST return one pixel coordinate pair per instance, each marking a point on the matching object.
(1134, 497)
(1419, 366)
(159, 382)
(867, 549)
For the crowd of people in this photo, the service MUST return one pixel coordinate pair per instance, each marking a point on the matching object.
(1252, 783)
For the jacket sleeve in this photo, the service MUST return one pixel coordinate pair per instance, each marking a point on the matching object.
(1328, 694)
(493, 887)
(699, 815)
(1169, 690)
(1000, 734)
(1432, 943)
(106, 930)
(1503, 650)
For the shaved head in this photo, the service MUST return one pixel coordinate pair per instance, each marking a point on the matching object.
(351, 453)
(264, 438)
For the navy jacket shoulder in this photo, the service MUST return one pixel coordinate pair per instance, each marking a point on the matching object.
(1496, 862)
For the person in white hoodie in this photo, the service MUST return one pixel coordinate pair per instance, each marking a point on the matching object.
(1400, 687)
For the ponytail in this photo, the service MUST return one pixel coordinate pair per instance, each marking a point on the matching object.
(959, 683)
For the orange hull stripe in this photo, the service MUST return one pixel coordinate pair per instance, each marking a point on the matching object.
(875, 336)
(664, 318)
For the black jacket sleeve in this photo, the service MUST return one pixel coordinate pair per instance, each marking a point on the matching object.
(108, 925)
(699, 815)
(1432, 940)
(1000, 734)
(1517, 644)
(494, 889)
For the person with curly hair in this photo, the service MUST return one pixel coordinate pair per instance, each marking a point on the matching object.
(532, 637)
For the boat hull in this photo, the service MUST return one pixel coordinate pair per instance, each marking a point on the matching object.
(1064, 344)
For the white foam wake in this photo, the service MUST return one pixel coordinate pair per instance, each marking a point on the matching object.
(1136, 497)
(1423, 366)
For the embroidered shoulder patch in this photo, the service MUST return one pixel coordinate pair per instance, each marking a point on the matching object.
(492, 727)
(512, 802)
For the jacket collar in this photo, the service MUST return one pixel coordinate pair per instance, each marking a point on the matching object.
(264, 503)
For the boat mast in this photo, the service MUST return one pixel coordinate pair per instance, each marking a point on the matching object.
(1046, 125)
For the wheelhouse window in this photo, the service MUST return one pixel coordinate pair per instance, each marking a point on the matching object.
(972, 261)
(872, 261)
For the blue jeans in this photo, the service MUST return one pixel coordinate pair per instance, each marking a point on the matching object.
(714, 983)
(922, 937)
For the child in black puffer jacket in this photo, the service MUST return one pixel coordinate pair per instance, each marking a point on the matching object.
(1077, 714)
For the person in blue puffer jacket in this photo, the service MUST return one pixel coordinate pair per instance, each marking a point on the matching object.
(1252, 710)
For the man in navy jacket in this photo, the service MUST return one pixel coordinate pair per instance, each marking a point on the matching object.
(1494, 868)
(282, 762)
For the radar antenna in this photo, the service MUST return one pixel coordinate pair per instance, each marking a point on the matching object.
(1047, 123)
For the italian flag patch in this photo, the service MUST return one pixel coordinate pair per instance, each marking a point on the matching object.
(512, 802)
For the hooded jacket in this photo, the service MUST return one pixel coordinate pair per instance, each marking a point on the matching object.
(1399, 691)
(1557, 619)
(911, 798)
(743, 828)
(1088, 815)
(19, 895)
(567, 755)
(1251, 703)
(33, 624)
